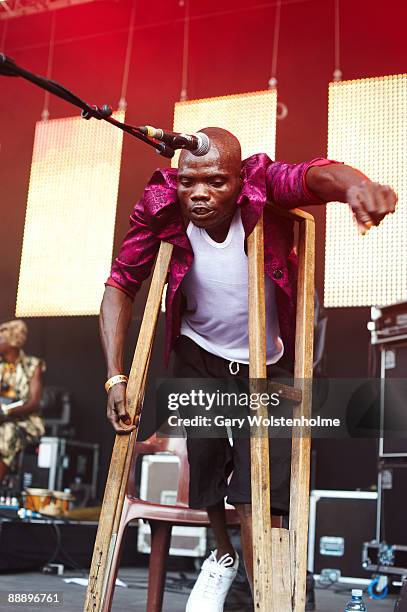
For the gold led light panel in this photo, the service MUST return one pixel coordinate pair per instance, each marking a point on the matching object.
(251, 117)
(70, 217)
(368, 130)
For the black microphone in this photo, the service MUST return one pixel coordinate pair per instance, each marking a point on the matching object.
(198, 143)
(7, 66)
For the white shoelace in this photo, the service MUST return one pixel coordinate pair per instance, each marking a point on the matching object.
(214, 577)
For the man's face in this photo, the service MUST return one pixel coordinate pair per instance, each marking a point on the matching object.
(4, 345)
(207, 188)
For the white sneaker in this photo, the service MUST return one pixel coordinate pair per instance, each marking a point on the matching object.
(214, 581)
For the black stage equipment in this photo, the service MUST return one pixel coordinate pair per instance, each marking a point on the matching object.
(382, 558)
(60, 463)
(387, 553)
(391, 510)
(336, 533)
(401, 605)
(29, 545)
(389, 339)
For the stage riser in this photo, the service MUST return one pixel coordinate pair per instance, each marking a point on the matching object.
(30, 545)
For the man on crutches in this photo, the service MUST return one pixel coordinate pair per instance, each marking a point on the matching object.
(207, 210)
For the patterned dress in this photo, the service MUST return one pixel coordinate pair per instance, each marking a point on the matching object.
(15, 433)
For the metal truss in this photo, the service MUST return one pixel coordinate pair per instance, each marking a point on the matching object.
(18, 8)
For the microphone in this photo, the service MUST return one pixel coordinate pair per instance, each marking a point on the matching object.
(199, 143)
(7, 66)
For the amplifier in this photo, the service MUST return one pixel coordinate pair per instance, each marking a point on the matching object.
(380, 557)
(389, 323)
(159, 482)
(337, 534)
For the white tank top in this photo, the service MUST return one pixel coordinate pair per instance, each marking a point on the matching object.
(216, 290)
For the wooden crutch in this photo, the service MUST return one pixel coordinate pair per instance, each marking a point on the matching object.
(279, 556)
(301, 442)
(116, 483)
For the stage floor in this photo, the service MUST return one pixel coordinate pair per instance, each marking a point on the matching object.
(133, 598)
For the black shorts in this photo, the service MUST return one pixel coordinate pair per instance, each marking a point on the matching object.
(212, 460)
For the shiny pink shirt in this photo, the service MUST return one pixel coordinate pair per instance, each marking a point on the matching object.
(157, 216)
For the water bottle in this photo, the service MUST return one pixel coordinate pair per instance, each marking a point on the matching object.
(356, 603)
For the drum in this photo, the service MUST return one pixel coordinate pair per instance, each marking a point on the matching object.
(36, 499)
(62, 501)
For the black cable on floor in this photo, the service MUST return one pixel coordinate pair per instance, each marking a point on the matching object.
(60, 550)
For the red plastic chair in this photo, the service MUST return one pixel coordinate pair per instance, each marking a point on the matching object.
(161, 519)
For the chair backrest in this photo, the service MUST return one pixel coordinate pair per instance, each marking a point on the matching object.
(163, 444)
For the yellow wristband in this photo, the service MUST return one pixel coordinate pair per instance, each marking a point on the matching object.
(114, 380)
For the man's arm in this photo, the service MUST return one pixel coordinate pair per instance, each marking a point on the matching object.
(321, 180)
(130, 268)
(114, 321)
(369, 201)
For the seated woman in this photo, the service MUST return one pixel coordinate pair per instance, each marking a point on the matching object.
(20, 381)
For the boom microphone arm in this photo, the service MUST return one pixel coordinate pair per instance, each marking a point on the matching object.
(8, 67)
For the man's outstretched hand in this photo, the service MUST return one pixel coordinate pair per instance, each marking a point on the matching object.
(370, 203)
(116, 410)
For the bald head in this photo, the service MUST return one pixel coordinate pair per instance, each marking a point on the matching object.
(208, 186)
(225, 149)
